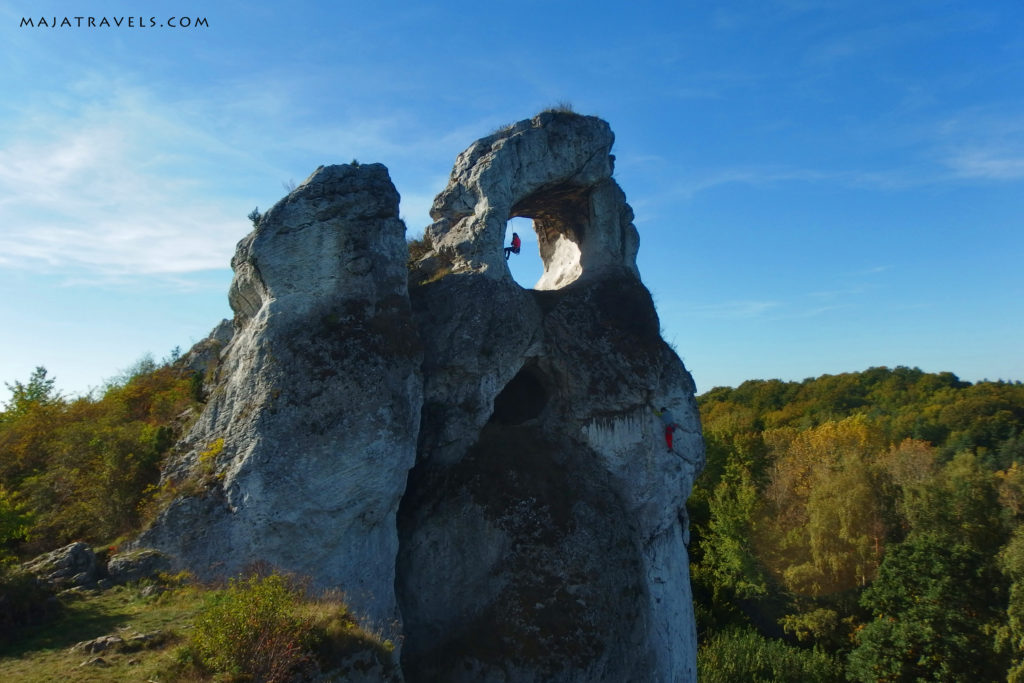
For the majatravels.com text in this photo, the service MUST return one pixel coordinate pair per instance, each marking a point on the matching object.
(114, 22)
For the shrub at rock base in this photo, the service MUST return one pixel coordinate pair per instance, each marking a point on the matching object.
(264, 629)
(252, 629)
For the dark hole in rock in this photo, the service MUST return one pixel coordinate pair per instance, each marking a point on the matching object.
(522, 399)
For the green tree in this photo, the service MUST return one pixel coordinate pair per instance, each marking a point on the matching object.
(934, 605)
(745, 655)
(825, 524)
(960, 503)
(39, 391)
(15, 521)
(846, 525)
(1010, 635)
(80, 468)
(729, 565)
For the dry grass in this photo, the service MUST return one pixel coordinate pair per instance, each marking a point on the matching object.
(560, 107)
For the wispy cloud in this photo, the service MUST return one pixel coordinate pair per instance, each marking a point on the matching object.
(983, 143)
(108, 188)
(827, 295)
(733, 309)
(873, 270)
(967, 163)
(744, 175)
(987, 164)
(812, 312)
(128, 183)
(794, 307)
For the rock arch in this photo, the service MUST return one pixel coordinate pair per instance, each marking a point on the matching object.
(556, 169)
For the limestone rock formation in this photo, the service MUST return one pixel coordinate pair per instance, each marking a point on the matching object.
(556, 169)
(205, 355)
(542, 532)
(301, 455)
(472, 461)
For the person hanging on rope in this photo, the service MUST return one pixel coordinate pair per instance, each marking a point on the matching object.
(516, 243)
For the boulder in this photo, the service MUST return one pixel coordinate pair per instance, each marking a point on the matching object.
(136, 565)
(68, 567)
(97, 645)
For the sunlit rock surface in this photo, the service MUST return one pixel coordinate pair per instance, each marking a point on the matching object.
(555, 168)
(477, 465)
(301, 455)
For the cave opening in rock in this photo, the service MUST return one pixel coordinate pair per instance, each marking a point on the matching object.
(559, 218)
(523, 398)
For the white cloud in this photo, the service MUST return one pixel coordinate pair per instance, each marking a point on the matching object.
(733, 309)
(117, 180)
(108, 188)
(983, 143)
(986, 164)
(748, 175)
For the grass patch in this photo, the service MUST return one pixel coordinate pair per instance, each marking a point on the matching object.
(193, 633)
(44, 652)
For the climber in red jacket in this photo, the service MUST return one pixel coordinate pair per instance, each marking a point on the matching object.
(516, 243)
(669, 422)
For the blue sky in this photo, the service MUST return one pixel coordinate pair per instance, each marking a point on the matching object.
(820, 186)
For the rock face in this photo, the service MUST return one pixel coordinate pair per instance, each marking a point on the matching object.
(554, 168)
(542, 532)
(301, 456)
(480, 459)
(205, 355)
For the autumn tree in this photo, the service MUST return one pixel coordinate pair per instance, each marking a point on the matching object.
(79, 469)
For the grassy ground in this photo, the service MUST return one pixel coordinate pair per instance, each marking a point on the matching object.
(179, 625)
(44, 652)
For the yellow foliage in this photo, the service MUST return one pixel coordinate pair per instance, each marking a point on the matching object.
(84, 467)
(208, 456)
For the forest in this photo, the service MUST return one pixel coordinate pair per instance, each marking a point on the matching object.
(88, 468)
(865, 526)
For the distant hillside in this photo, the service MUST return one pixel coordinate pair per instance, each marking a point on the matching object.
(863, 525)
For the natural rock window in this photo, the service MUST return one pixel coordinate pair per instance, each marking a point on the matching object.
(526, 267)
(555, 169)
(560, 216)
